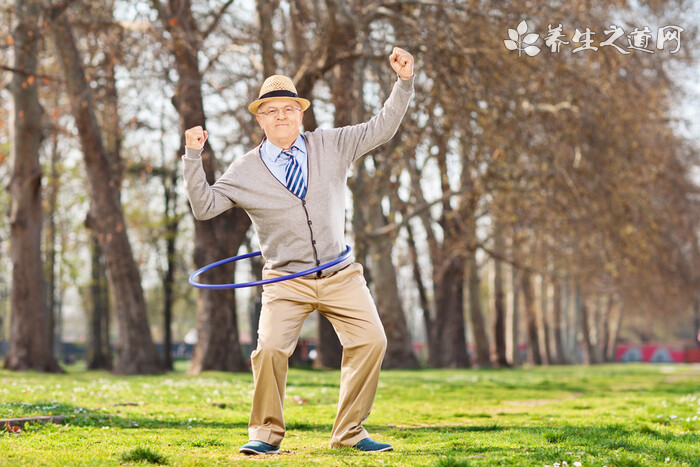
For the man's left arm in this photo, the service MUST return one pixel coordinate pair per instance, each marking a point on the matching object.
(354, 141)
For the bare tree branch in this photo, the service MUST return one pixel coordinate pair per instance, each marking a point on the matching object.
(29, 73)
(217, 17)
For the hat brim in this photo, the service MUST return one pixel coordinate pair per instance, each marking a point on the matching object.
(253, 107)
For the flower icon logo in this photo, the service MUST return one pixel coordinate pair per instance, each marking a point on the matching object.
(521, 41)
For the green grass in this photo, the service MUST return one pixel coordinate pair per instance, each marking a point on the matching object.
(614, 415)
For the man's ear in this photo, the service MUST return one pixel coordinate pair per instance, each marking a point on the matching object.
(258, 117)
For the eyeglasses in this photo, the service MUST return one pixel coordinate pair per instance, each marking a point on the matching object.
(287, 110)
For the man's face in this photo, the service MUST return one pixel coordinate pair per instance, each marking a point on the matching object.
(280, 119)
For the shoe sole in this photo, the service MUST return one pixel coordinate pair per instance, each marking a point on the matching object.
(390, 448)
(251, 451)
(383, 449)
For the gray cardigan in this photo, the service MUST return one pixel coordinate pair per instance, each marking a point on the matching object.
(296, 235)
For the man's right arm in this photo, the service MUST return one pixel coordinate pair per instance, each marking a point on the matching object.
(207, 201)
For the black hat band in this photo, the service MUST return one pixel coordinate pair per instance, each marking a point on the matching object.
(279, 93)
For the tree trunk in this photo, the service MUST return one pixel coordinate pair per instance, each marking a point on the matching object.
(329, 350)
(399, 352)
(218, 344)
(135, 351)
(266, 35)
(558, 330)
(696, 308)
(499, 306)
(53, 303)
(448, 258)
(98, 353)
(30, 336)
(449, 329)
(575, 340)
(482, 357)
(605, 322)
(543, 323)
(422, 294)
(533, 345)
(172, 221)
(515, 318)
(566, 320)
(585, 331)
(615, 332)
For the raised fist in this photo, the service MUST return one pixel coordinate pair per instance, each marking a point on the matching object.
(402, 63)
(196, 137)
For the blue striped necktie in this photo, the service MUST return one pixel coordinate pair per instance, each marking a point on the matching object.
(293, 176)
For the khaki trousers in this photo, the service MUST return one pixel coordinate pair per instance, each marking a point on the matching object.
(343, 298)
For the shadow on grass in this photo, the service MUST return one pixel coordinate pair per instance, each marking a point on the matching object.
(82, 417)
(607, 441)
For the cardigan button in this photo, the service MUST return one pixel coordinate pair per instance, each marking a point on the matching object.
(309, 222)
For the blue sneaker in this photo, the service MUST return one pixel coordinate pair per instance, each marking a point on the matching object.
(370, 445)
(258, 447)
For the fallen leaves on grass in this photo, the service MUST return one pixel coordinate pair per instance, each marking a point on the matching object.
(12, 428)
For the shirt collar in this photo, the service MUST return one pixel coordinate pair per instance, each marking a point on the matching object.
(274, 152)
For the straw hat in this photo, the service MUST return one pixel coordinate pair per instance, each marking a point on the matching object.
(277, 86)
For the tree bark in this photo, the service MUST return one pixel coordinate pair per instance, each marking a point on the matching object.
(585, 330)
(482, 357)
(449, 330)
(499, 306)
(515, 318)
(445, 326)
(533, 345)
(605, 323)
(218, 344)
(696, 309)
(615, 333)
(266, 36)
(576, 341)
(30, 338)
(135, 351)
(399, 352)
(422, 294)
(543, 323)
(558, 322)
(172, 221)
(99, 355)
(53, 301)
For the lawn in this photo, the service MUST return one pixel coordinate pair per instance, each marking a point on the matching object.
(622, 415)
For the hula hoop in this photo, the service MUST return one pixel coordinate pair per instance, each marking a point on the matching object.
(233, 259)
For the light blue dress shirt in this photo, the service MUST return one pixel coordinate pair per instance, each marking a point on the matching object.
(273, 159)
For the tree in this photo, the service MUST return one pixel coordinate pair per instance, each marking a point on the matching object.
(371, 186)
(135, 350)
(99, 355)
(218, 346)
(30, 337)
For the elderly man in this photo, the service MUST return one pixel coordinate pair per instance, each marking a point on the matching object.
(292, 186)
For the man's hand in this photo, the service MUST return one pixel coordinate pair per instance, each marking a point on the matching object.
(196, 137)
(402, 63)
